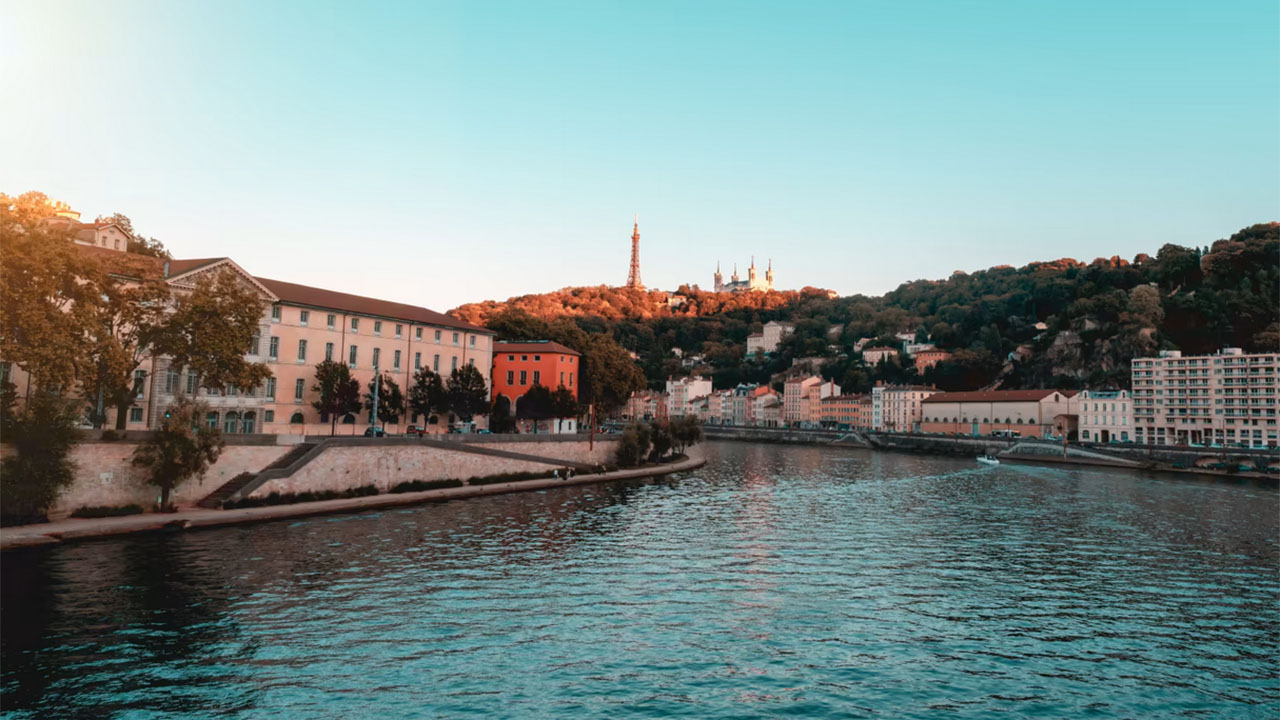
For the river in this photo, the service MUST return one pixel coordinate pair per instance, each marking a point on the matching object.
(777, 580)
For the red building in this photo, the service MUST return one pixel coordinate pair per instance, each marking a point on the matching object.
(518, 366)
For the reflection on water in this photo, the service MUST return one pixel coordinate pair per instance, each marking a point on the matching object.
(777, 580)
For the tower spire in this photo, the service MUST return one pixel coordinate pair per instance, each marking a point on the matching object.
(633, 276)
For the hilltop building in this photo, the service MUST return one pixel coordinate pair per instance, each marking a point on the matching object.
(769, 337)
(753, 282)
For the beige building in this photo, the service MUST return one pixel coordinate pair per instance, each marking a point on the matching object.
(1105, 416)
(1227, 399)
(1028, 413)
(769, 337)
(873, 355)
(899, 407)
(682, 393)
(795, 399)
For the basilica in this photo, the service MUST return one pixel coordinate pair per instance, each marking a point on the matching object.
(753, 281)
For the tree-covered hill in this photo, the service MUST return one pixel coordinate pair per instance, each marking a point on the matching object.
(1064, 323)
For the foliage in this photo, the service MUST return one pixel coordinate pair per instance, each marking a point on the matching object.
(467, 393)
(535, 404)
(211, 329)
(686, 431)
(420, 485)
(662, 440)
(563, 403)
(42, 435)
(427, 397)
(500, 420)
(100, 511)
(633, 445)
(337, 393)
(390, 400)
(516, 477)
(181, 447)
(306, 496)
(125, 325)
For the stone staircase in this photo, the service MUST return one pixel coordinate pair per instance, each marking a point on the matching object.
(214, 500)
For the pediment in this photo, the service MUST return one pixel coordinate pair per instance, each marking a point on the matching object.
(187, 280)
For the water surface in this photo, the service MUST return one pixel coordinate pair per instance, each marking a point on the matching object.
(801, 581)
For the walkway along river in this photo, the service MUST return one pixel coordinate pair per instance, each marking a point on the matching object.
(776, 580)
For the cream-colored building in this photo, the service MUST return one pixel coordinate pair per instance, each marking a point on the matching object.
(795, 399)
(1028, 413)
(899, 407)
(683, 392)
(1227, 399)
(873, 355)
(769, 337)
(1105, 416)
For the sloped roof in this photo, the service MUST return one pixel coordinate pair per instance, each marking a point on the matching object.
(993, 396)
(540, 346)
(332, 300)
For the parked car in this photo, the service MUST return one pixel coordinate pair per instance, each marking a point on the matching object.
(375, 432)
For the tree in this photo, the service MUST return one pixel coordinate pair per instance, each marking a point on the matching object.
(337, 392)
(49, 292)
(390, 400)
(686, 431)
(42, 435)
(633, 445)
(182, 447)
(535, 404)
(607, 374)
(125, 326)
(500, 420)
(211, 329)
(467, 393)
(138, 244)
(660, 436)
(563, 403)
(427, 397)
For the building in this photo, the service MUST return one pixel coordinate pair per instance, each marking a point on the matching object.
(766, 408)
(518, 366)
(769, 337)
(1029, 413)
(873, 355)
(925, 359)
(865, 412)
(105, 235)
(1227, 399)
(644, 405)
(911, 348)
(1105, 416)
(753, 281)
(813, 402)
(900, 406)
(843, 412)
(795, 399)
(302, 326)
(681, 393)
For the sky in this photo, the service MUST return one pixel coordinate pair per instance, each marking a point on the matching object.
(442, 153)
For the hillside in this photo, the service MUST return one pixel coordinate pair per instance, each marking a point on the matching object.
(1095, 315)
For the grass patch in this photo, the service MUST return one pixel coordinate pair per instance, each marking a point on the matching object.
(420, 485)
(309, 496)
(106, 511)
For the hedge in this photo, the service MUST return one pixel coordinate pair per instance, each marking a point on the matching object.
(106, 511)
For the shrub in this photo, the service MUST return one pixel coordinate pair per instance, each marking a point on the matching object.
(42, 434)
(100, 511)
(420, 485)
(509, 477)
(111, 435)
(308, 496)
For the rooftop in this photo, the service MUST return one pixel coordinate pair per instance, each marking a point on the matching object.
(994, 396)
(535, 346)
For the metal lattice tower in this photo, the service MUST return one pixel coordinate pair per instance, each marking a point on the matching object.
(633, 276)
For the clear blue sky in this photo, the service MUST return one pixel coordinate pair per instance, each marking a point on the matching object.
(440, 153)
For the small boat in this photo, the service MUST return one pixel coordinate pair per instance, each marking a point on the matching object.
(988, 460)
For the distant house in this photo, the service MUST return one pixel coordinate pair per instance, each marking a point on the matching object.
(768, 339)
(873, 356)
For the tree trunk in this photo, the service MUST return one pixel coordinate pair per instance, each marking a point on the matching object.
(122, 414)
(164, 499)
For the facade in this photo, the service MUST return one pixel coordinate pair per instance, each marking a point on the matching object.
(901, 407)
(843, 412)
(753, 281)
(769, 337)
(681, 393)
(865, 412)
(766, 410)
(1105, 416)
(644, 405)
(813, 402)
(925, 359)
(518, 366)
(105, 235)
(873, 355)
(795, 399)
(1227, 399)
(1030, 413)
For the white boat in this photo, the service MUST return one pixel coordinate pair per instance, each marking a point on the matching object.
(988, 460)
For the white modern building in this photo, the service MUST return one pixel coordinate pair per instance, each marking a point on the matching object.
(1227, 399)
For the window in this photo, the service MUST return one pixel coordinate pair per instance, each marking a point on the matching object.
(399, 329)
(472, 362)
(511, 377)
(570, 379)
(351, 357)
(524, 377)
(377, 327)
(524, 358)
(302, 351)
(170, 381)
(191, 383)
(417, 361)
(296, 419)
(135, 414)
(455, 338)
(471, 341)
(395, 361)
(328, 352)
(377, 353)
(435, 363)
(254, 346)
(231, 423)
(303, 317)
(562, 377)
(537, 377)
(273, 348)
(139, 382)
(247, 424)
(453, 364)
(437, 336)
(330, 320)
(511, 358)
(275, 316)
(537, 358)
(299, 386)
(271, 388)
(417, 333)
(211, 420)
(268, 416)
(355, 324)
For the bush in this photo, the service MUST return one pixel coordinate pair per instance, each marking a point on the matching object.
(420, 485)
(111, 436)
(510, 477)
(31, 479)
(100, 511)
(309, 496)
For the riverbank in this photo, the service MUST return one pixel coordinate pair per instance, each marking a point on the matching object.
(88, 528)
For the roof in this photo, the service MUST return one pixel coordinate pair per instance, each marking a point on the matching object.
(333, 300)
(993, 396)
(178, 267)
(879, 348)
(537, 346)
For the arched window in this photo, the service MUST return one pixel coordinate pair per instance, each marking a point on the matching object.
(985, 420)
(230, 422)
(296, 419)
(211, 420)
(348, 419)
(248, 421)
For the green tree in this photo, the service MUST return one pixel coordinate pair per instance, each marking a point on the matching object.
(661, 439)
(500, 420)
(181, 447)
(563, 403)
(390, 400)
(125, 326)
(427, 397)
(212, 328)
(467, 393)
(535, 404)
(42, 435)
(608, 376)
(686, 431)
(337, 392)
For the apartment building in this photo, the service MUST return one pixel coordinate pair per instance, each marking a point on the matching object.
(518, 366)
(1227, 399)
(682, 392)
(1105, 416)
